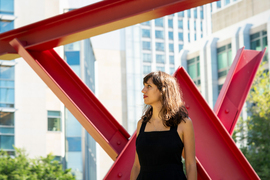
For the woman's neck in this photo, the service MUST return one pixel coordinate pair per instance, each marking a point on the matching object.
(156, 110)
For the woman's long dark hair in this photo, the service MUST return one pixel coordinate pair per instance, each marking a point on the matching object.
(173, 109)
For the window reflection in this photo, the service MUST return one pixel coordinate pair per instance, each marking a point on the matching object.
(6, 86)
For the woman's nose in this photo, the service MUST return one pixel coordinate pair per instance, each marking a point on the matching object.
(143, 90)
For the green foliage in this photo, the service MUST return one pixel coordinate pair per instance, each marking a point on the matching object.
(20, 167)
(257, 136)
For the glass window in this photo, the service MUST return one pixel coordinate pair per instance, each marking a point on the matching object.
(170, 34)
(6, 118)
(181, 14)
(54, 113)
(201, 13)
(146, 33)
(180, 46)
(188, 13)
(171, 47)
(76, 46)
(227, 2)
(188, 26)
(147, 23)
(195, 37)
(180, 24)
(192, 71)
(7, 131)
(255, 43)
(265, 43)
(7, 7)
(6, 86)
(73, 57)
(195, 13)
(195, 25)
(230, 57)
(180, 36)
(188, 37)
(7, 72)
(54, 120)
(219, 88)
(146, 57)
(161, 68)
(193, 68)
(146, 45)
(224, 60)
(258, 41)
(171, 59)
(171, 70)
(201, 26)
(218, 4)
(74, 144)
(6, 25)
(159, 34)
(170, 23)
(159, 46)
(146, 69)
(160, 58)
(159, 22)
(6, 142)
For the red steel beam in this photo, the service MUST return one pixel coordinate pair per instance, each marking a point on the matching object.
(215, 148)
(77, 97)
(237, 86)
(89, 21)
(245, 64)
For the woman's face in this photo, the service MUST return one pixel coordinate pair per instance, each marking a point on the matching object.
(151, 94)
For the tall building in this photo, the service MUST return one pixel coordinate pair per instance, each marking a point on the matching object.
(235, 24)
(80, 149)
(31, 116)
(7, 87)
(154, 46)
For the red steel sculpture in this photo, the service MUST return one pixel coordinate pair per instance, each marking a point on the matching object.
(216, 153)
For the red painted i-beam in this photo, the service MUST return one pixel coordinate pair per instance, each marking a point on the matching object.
(89, 21)
(237, 86)
(77, 97)
(214, 145)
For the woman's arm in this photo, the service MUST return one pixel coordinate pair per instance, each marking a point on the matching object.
(136, 166)
(189, 150)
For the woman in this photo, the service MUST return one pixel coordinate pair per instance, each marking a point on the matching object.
(164, 133)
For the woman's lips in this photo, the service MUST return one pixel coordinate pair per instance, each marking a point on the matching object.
(145, 96)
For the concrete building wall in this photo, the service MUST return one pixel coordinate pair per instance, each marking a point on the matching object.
(237, 12)
(32, 97)
(110, 84)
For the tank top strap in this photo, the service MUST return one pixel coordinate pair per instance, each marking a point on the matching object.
(173, 128)
(142, 127)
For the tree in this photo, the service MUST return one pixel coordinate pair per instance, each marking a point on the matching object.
(257, 149)
(20, 167)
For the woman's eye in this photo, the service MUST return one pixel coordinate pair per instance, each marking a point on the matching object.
(149, 86)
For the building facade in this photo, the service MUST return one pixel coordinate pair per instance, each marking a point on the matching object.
(235, 24)
(31, 116)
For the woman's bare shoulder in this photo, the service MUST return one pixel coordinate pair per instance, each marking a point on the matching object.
(188, 125)
(185, 124)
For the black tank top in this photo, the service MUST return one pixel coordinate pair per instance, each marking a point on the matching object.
(159, 155)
